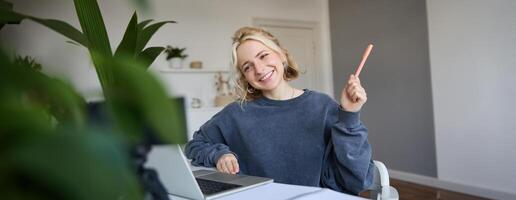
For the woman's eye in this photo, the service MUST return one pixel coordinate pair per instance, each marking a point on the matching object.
(246, 68)
(264, 55)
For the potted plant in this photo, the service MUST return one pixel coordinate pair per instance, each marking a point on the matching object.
(175, 56)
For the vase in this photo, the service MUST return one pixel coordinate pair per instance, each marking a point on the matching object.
(176, 63)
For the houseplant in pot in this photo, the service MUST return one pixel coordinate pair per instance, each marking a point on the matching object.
(175, 56)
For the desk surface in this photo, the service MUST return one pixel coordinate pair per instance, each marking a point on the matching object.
(279, 191)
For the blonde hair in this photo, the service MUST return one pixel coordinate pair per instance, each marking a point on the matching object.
(243, 88)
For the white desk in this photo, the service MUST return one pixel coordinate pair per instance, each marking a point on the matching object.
(273, 191)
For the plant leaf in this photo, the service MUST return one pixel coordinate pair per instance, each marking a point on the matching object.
(144, 103)
(38, 89)
(147, 33)
(9, 16)
(64, 29)
(148, 55)
(6, 5)
(92, 25)
(143, 23)
(128, 43)
(5, 17)
(74, 43)
(74, 165)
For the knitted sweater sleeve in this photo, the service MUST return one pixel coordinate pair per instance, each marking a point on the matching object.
(208, 143)
(347, 165)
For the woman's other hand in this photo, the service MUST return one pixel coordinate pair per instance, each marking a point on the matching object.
(353, 96)
(228, 163)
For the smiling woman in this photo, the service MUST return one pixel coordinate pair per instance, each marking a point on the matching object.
(263, 65)
(295, 136)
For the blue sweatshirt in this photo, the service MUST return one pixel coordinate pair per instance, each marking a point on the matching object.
(307, 140)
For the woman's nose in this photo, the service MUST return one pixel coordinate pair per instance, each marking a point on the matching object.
(259, 68)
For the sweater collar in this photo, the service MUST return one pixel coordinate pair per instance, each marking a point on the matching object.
(265, 100)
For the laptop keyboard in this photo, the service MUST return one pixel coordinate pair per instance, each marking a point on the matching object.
(211, 187)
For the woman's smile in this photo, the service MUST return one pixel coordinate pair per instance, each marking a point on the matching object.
(267, 77)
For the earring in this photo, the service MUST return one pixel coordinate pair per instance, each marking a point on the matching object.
(287, 71)
(285, 64)
(250, 89)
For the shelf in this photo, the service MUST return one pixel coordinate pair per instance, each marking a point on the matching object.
(206, 109)
(188, 70)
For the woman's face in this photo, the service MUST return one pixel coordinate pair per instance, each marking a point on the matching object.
(261, 66)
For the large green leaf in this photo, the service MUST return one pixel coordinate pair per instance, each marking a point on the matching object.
(147, 33)
(4, 19)
(6, 5)
(144, 103)
(7, 15)
(38, 89)
(92, 25)
(148, 55)
(17, 118)
(61, 27)
(66, 105)
(70, 165)
(128, 44)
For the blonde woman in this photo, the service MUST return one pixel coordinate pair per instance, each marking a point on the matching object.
(295, 136)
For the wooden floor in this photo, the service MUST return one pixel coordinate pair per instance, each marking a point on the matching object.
(410, 191)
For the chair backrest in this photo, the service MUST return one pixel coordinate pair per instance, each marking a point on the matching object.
(380, 189)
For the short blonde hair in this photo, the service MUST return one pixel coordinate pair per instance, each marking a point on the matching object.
(243, 88)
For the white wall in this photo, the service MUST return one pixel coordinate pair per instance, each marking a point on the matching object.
(473, 69)
(205, 28)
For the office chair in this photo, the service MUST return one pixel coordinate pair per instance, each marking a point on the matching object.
(380, 189)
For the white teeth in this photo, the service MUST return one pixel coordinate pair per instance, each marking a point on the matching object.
(268, 75)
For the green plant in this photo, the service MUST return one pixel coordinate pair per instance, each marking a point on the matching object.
(154, 109)
(174, 52)
(44, 160)
(27, 61)
(72, 160)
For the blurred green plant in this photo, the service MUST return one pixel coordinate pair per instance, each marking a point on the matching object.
(27, 61)
(43, 161)
(175, 52)
(73, 160)
(154, 109)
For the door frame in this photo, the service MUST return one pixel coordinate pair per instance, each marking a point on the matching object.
(320, 83)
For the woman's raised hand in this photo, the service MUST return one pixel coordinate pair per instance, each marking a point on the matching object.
(353, 96)
(228, 163)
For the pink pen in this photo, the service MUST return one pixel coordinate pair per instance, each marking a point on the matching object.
(364, 58)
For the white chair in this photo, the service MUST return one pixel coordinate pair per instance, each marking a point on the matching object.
(380, 189)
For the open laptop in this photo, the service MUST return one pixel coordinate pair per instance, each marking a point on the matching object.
(172, 166)
(177, 177)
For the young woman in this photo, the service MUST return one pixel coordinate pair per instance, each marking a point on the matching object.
(294, 136)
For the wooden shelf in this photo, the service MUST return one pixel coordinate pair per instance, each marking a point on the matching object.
(206, 109)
